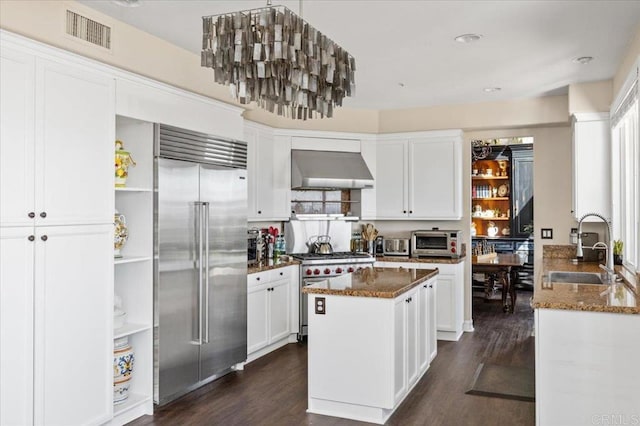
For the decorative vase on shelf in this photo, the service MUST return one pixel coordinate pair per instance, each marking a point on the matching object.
(492, 230)
(122, 369)
(121, 233)
(123, 162)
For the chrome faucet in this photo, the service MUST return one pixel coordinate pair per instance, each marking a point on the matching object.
(608, 246)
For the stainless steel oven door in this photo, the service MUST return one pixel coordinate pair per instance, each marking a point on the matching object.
(438, 242)
(304, 313)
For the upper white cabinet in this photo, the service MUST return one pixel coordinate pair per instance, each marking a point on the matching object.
(591, 146)
(419, 176)
(268, 174)
(56, 146)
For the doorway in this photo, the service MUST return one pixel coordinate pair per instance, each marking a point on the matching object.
(502, 196)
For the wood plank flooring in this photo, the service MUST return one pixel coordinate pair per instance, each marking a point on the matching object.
(273, 389)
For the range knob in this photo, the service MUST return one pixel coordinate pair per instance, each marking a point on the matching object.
(309, 272)
(453, 249)
(316, 272)
(350, 269)
(327, 271)
(338, 270)
(453, 243)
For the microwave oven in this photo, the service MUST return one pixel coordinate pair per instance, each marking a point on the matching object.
(436, 243)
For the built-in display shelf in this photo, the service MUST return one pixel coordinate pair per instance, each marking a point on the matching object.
(133, 189)
(130, 328)
(492, 218)
(490, 177)
(131, 259)
(491, 198)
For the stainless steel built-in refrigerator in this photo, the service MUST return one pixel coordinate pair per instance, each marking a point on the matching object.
(201, 259)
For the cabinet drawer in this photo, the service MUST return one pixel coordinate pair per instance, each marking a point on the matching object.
(258, 278)
(281, 273)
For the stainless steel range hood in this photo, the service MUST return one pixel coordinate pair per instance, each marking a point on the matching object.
(329, 170)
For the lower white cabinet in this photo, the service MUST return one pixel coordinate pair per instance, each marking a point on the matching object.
(368, 388)
(450, 295)
(428, 344)
(407, 336)
(56, 326)
(269, 309)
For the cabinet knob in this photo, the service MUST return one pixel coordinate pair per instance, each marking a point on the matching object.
(31, 238)
(43, 214)
(281, 274)
(259, 211)
(32, 215)
(44, 238)
(257, 278)
(430, 285)
(404, 211)
(411, 211)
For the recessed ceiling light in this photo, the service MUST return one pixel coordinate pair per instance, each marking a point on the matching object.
(583, 60)
(127, 3)
(468, 38)
(492, 89)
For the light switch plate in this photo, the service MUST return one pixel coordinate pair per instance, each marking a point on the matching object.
(320, 305)
(546, 233)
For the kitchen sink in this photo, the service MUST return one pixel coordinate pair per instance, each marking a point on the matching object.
(575, 277)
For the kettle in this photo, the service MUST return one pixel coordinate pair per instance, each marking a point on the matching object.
(323, 245)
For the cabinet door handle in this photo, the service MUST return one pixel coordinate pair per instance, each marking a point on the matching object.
(44, 238)
(31, 238)
(430, 285)
(43, 214)
(32, 215)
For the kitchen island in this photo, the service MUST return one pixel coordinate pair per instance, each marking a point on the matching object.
(587, 345)
(371, 338)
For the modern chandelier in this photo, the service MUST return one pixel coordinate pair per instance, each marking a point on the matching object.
(272, 56)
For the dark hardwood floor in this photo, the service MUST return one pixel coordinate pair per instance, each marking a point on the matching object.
(273, 389)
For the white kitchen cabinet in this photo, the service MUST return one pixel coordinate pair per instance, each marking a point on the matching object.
(407, 341)
(428, 345)
(419, 176)
(449, 295)
(268, 174)
(365, 388)
(591, 156)
(57, 143)
(586, 367)
(16, 325)
(56, 285)
(56, 193)
(269, 313)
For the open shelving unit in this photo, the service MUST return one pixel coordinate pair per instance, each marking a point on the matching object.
(133, 275)
(498, 206)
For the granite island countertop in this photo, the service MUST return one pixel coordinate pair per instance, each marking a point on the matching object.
(622, 297)
(385, 283)
(407, 259)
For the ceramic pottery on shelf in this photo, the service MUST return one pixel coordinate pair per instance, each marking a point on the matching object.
(123, 162)
(122, 369)
(121, 233)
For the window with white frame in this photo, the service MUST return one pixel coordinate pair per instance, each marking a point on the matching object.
(626, 171)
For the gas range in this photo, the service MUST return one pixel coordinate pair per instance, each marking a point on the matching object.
(328, 265)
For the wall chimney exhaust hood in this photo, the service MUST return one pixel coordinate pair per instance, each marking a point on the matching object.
(329, 170)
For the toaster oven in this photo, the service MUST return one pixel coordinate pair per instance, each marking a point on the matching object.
(395, 246)
(436, 243)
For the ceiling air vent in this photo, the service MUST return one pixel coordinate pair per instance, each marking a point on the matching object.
(88, 30)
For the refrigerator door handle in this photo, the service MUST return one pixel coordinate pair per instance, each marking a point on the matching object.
(206, 271)
(199, 209)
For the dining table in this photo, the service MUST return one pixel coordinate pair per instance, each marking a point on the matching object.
(504, 266)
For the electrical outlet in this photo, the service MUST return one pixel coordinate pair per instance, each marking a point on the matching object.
(546, 233)
(320, 305)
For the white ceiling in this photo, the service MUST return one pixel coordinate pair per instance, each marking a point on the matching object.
(527, 46)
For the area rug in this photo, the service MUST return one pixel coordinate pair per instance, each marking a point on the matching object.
(502, 381)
